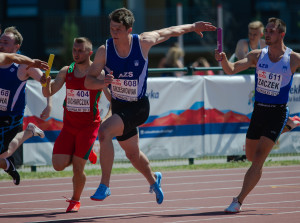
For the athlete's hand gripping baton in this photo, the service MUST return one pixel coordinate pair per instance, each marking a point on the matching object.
(50, 62)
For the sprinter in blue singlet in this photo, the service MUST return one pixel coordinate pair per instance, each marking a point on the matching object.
(125, 61)
(275, 66)
(13, 79)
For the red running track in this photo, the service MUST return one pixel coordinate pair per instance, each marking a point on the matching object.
(190, 196)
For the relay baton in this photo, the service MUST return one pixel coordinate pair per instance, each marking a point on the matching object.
(219, 39)
(50, 62)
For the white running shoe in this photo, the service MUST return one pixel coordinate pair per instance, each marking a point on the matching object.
(35, 130)
(234, 207)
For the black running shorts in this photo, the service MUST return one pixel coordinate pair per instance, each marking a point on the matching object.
(132, 113)
(267, 120)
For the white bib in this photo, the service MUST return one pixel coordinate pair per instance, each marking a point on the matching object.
(268, 83)
(78, 100)
(125, 89)
(4, 97)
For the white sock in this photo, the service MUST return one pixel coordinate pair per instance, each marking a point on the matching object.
(7, 164)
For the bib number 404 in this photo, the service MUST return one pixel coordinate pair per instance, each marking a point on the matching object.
(82, 93)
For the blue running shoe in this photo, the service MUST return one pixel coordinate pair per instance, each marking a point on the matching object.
(101, 193)
(157, 189)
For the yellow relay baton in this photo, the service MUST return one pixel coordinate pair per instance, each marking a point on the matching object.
(50, 62)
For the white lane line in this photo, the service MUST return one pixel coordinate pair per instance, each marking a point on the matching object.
(142, 179)
(165, 185)
(135, 194)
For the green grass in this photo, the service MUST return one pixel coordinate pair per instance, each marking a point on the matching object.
(95, 172)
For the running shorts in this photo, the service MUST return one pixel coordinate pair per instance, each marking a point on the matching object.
(75, 141)
(267, 120)
(133, 114)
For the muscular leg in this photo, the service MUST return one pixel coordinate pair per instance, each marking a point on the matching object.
(3, 164)
(253, 174)
(17, 142)
(79, 177)
(138, 158)
(61, 161)
(251, 147)
(111, 127)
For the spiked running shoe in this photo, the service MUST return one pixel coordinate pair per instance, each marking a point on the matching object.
(35, 130)
(73, 205)
(12, 171)
(157, 188)
(234, 207)
(101, 193)
(93, 157)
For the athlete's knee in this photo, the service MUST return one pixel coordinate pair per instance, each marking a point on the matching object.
(133, 156)
(103, 135)
(59, 165)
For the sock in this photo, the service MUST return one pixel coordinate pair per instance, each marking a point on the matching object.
(7, 164)
(93, 157)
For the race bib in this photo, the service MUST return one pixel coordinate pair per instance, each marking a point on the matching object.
(125, 89)
(78, 100)
(268, 83)
(4, 97)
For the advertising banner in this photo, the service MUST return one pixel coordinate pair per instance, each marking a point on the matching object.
(189, 117)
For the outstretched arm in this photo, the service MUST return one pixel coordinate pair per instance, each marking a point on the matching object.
(149, 39)
(240, 65)
(8, 58)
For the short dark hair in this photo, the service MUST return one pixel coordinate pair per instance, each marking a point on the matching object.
(279, 24)
(17, 35)
(85, 40)
(124, 16)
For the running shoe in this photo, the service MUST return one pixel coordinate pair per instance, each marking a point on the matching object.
(234, 207)
(12, 171)
(295, 122)
(93, 157)
(73, 205)
(35, 130)
(157, 188)
(101, 193)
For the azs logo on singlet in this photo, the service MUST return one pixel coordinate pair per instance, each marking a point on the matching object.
(261, 65)
(126, 74)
